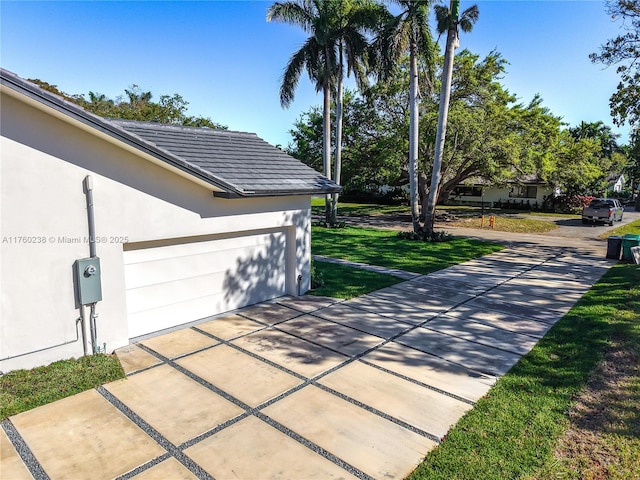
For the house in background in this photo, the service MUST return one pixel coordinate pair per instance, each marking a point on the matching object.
(529, 189)
(615, 182)
(189, 223)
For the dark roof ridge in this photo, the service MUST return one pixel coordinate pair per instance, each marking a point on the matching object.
(177, 126)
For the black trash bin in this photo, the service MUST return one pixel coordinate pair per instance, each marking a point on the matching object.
(614, 247)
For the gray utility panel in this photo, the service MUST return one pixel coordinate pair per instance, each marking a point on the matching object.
(89, 282)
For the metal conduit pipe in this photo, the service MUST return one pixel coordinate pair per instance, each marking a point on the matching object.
(93, 332)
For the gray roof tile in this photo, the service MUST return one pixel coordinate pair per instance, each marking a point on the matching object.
(243, 160)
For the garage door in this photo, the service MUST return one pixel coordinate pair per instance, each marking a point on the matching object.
(174, 284)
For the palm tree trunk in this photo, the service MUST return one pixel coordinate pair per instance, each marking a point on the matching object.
(413, 137)
(445, 93)
(326, 145)
(338, 164)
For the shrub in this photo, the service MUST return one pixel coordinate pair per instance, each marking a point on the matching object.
(568, 203)
(317, 279)
(325, 224)
(425, 237)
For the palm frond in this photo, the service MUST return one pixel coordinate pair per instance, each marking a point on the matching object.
(443, 18)
(468, 18)
(295, 12)
(303, 57)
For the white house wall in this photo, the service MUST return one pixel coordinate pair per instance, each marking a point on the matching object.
(137, 204)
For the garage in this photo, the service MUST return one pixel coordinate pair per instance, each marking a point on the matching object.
(188, 222)
(178, 283)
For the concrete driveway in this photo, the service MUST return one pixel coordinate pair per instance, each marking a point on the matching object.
(308, 387)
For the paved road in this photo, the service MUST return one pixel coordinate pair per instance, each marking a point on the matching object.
(574, 228)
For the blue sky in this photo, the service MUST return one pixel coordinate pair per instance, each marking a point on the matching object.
(226, 60)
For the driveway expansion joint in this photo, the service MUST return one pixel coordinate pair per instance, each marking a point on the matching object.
(25, 453)
(160, 439)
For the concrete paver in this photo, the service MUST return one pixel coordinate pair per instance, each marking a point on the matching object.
(433, 371)
(443, 280)
(306, 387)
(368, 442)
(408, 313)
(363, 320)
(253, 449)
(505, 321)
(504, 294)
(432, 304)
(483, 334)
(11, 465)
(539, 290)
(133, 358)
(229, 327)
(78, 436)
(345, 340)
(184, 410)
(409, 402)
(469, 354)
(426, 290)
(493, 304)
(270, 313)
(246, 378)
(307, 303)
(167, 469)
(178, 343)
(295, 354)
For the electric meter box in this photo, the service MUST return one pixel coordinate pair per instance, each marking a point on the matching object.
(89, 280)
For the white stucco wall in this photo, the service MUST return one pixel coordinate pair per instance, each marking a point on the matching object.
(44, 161)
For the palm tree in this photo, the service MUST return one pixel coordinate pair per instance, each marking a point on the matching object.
(447, 21)
(317, 55)
(408, 31)
(354, 19)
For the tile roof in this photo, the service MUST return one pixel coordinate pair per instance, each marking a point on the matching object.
(239, 164)
(243, 160)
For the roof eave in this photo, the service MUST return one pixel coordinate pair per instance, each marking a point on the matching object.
(277, 193)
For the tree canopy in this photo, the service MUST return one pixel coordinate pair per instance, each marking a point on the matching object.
(624, 51)
(136, 104)
(491, 135)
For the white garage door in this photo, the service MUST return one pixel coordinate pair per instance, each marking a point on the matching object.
(179, 283)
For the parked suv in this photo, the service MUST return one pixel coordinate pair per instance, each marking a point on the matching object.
(607, 210)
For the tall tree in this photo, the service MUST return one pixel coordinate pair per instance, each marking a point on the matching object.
(624, 51)
(448, 21)
(354, 19)
(407, 31)
(600, 132)
(632, 168)
(317, 55)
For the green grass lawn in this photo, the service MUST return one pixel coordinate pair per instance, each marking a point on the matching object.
(558, 215)
(468, 216)
(385, 249)
(629, 228)
(360, 209)
(516, 430)
(22, 390)
(505, 224)
(341, 281)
